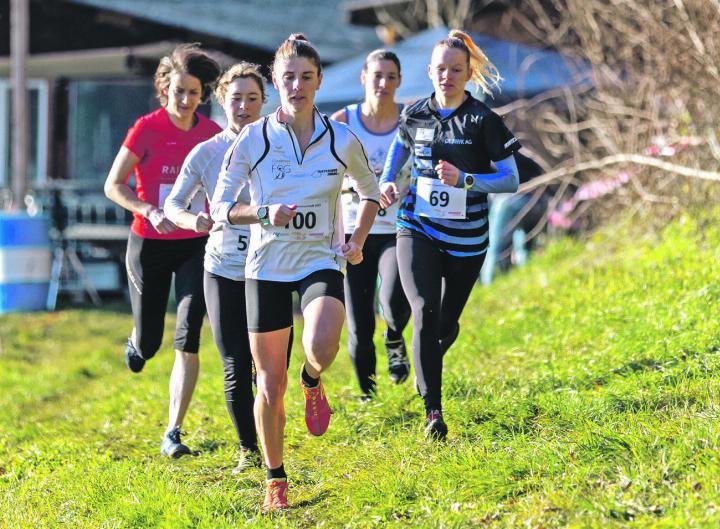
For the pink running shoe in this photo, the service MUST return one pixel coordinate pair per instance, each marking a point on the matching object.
(317, 409)
(275, 496)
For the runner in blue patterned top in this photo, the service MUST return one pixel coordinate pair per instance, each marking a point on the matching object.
(461, 150)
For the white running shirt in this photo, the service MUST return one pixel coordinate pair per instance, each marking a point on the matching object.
(227, 245)
(376, 146)
(266, 158)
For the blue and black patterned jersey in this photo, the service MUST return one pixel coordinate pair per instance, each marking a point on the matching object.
(470, 138)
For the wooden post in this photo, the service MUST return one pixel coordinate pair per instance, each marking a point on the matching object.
(20, 130)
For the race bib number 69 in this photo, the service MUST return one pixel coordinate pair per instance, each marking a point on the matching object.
(435, 199)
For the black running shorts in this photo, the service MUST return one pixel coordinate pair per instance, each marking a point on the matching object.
(269, 303)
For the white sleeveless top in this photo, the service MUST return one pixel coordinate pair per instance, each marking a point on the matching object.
(376, 147)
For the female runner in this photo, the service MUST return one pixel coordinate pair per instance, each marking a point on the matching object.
(461, 151)
(375, 122)
(293, 162)
(241, 93)
(154, 149)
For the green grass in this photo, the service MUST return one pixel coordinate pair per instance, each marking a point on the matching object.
(583, 392)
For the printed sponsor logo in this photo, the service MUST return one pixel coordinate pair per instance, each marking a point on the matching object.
(457, 141)
(474, 119)
(170, 169)
(318, 173)
(280, 169)
(509, 142)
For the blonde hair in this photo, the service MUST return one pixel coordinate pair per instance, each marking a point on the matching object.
(241, 70)
(483, 72)
(186, 59)
(297, 45)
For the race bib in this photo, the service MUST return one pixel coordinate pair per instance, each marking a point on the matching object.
(435, 199)
(235, 240)
(310, 223)
(196, 205)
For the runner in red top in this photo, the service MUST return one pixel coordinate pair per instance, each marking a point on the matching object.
(155, 149)
(161, 148)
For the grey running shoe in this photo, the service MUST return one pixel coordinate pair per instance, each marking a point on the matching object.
(133, 360)
(435, 427)
(248, 459)
(398, 363)
(172, 446)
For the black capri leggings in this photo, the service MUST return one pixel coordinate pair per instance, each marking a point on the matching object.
(379, 257)
(150, 265)
(225, 300)
(437, 286)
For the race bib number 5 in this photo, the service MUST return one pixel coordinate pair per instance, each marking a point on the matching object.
(310, 223)
(435, 199)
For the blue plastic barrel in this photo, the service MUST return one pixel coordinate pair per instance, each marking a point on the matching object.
(25, 262)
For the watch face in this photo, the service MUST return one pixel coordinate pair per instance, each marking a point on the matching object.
(262, 212)
(469, 181)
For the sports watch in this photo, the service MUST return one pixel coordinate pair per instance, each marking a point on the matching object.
(263, 213)
(468, 181)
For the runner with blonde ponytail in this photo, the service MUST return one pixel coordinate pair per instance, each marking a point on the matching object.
(461, 152)
(484, 73)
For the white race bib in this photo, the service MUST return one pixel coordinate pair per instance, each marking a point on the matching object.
(235, 241)
(196, 205)
(310, 223)
(435, 199)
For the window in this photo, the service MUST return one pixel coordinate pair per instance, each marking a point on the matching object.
(100, 114)
(38, 118)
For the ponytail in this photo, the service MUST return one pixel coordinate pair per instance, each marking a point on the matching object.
(483, 72)
(297, 45)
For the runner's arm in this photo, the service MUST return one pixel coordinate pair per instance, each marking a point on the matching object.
(505, 180)
(187, 184)
(116, 187)
(235, 174)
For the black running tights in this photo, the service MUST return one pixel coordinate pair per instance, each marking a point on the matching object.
(437, 286)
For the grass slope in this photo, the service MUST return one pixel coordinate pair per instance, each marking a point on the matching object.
(583, 392)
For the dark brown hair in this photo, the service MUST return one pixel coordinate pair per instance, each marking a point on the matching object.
(381, 55)
(241, 70)
(297, 45)
(483, 71)
(186, 59)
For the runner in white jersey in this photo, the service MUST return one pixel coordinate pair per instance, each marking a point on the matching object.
(293, 162)
(375, 122)
(241, 92)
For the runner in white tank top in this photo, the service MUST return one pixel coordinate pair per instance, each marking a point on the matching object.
(293, 162)
(375, 122)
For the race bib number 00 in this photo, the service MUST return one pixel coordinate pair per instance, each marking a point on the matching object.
(310, 223)
(196, 205)
(435, 199)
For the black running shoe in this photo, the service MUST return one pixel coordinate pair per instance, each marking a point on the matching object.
(172, 446)
(398, 363)
(435, 427)
(133, 360)
(446, 343)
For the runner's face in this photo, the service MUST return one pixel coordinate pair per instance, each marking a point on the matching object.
(183, 95)
(381, 79)
(297, 80)
(449, 71)
(243, 101)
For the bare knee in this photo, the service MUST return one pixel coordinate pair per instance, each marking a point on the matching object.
(271, 387)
